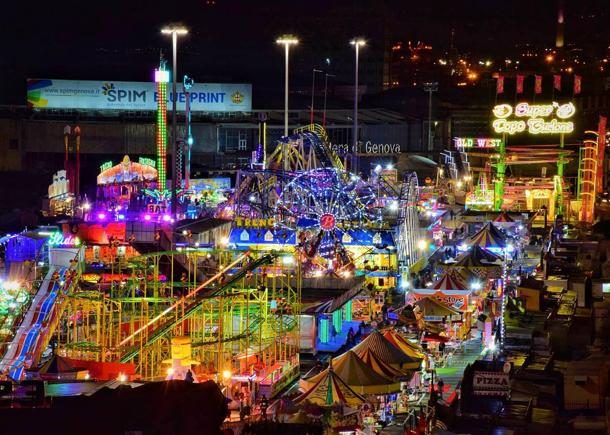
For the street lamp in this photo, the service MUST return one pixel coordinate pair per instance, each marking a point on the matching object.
(175, 31)
(286, 41)
(313, 91)
(357, 43)
(430, 87)
(326, 76)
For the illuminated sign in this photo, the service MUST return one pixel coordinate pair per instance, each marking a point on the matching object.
(254, 223)
(202, 184)
(491, 384)
(146, 161)
(115, 95)
(327, 221)
(105, 166)
(476, 142)
(367, 148)
(534, 118)
(58, 239)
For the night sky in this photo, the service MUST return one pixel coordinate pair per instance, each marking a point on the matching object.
(232, 40)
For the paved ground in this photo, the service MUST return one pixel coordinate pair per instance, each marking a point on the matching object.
(451, 375)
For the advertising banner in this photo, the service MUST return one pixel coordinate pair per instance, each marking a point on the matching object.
(200, 184)
(111, 95)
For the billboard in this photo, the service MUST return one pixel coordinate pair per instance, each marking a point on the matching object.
(111, 95)
(199, 184)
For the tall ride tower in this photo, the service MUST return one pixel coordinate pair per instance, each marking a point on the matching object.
(162, 78)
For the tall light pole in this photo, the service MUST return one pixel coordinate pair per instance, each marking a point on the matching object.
(286, 41)
(175, 31)
(313, 91)
(430, 87)
(357, 43)
(326, 76)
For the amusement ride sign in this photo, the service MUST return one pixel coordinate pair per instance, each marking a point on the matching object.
(534, 118)
(476, 142)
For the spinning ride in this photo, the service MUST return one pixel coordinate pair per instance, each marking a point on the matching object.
(327, 206)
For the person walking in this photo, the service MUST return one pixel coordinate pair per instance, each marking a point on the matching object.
(189, 377)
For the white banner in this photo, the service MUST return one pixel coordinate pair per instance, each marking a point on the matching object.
(102, 95)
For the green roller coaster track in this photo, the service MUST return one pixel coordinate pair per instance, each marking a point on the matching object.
(192, 308)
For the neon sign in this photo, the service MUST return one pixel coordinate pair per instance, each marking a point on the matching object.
(58, 239)
(538, 118)
(146, 161)
(327, 221)
(477, 142)
(254, 223)
(105, 166)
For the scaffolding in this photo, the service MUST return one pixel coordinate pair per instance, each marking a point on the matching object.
(239, 311)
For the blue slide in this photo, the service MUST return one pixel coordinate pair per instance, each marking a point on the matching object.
(25, 355)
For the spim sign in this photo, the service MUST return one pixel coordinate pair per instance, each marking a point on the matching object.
(534, 118)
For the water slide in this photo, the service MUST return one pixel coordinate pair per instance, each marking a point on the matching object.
(34, 331)
(192, 302)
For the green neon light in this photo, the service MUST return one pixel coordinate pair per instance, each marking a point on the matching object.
(146, 161)
(323, 332)
(105, 166)
(338, 320)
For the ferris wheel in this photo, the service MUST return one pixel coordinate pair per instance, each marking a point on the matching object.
(323, 205)
(327, 198)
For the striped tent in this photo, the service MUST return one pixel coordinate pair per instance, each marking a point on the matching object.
(373, 361)
(386, 351)
(435, 310)
(450, 280)
(475, 261)
(357, 375)
(488, 237)
(331, 390)
(403, 344)
(504, 218)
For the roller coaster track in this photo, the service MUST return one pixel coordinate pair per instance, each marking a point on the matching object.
(165, 327)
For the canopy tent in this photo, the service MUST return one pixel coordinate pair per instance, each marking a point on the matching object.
(357, 375)
(504, 218)
(488, 237)
(479, 262)
(373, 361)
(58, 367)
(330, 390)
(403, 344)
(449, 281)
(386, 351)
(434, 310)
(478, 254)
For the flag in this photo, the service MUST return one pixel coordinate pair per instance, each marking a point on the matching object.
(500, 85)
(557, 82)
(538, 85)
(520, 78)
(577, 83)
